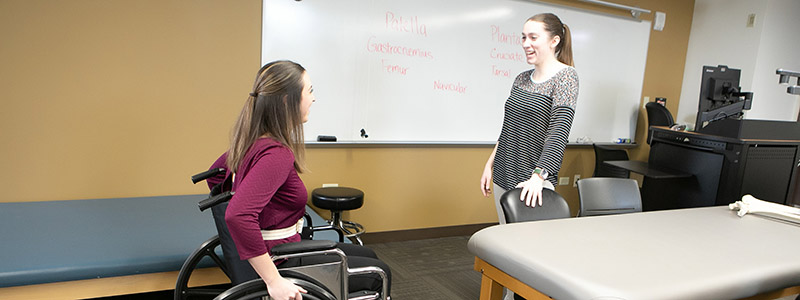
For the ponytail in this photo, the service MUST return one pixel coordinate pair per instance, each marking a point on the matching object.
(564, 49)
(242, 134)
(553, 25)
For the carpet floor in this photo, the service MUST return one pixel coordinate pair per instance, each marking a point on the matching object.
(431, 269)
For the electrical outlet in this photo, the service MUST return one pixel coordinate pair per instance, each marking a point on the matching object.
(563, 181)
(646, 99)
(575, 183)
(751, 20)
(330, 185)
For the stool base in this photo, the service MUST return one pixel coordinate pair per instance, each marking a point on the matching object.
(350, 230)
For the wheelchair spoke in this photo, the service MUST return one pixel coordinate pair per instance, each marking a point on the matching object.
(213, 254)
(182, 290)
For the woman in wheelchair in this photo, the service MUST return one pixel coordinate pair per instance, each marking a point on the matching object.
(266, 154)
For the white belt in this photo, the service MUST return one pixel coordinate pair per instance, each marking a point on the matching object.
(277, 234)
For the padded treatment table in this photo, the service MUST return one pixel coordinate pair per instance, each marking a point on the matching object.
(697, 253)
(101, 247)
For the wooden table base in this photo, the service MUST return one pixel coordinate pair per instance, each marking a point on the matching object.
(493, 280)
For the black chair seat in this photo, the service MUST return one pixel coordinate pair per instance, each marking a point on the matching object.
(337, 198)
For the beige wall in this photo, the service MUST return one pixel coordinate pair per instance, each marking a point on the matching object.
(110, 98)
(107, 99)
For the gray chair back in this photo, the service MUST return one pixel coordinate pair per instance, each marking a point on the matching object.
(608, 196)
(553, 207)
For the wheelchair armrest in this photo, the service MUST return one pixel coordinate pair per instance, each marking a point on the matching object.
(326, 227)
(308, 232)
(207, 174)
(303, 246)
(309, 229)
(214, 200)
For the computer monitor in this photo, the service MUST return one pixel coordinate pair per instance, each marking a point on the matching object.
(720, 96)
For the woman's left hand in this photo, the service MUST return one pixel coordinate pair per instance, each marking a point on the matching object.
(531, 190)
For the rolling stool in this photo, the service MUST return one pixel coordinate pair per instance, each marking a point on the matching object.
(338, 199)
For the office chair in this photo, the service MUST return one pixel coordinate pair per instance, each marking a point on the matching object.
(553, 207)
(607, 196)
(604, 153)
(657, 115)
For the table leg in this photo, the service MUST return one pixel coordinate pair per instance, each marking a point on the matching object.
(493, 280)
(490, 289)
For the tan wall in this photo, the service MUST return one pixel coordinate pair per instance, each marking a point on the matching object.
(106, 99)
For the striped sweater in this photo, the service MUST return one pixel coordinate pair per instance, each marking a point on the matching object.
(536, 125)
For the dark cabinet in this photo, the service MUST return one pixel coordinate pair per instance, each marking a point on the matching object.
(723, 169)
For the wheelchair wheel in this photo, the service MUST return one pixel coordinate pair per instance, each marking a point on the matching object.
(256, 289)
(208, 248)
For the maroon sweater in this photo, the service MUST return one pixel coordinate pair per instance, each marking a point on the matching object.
(268, 195)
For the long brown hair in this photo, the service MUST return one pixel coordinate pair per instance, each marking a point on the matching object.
(273, 110)
(553, 25)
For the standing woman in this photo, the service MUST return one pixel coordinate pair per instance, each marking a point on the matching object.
(538, 115)
(265, 156)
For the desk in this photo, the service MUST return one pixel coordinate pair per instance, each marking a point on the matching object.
(659, 182)
(697, 253)
(646, 170)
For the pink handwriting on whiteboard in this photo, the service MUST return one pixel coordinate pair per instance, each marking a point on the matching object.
(500, 55)
(452, 87)
(407, 24)
(508, 38)
(388, 48)
(395, 69)
(500, 72)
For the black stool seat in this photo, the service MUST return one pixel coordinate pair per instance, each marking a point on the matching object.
(337, 198)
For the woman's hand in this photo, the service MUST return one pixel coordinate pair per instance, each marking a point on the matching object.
(531, 190)
(279, 288)
(486, 177)
(282, 289)
(486, 181)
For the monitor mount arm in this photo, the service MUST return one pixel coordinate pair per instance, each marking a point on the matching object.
(730, 102)
(784, 76)
(730, 110)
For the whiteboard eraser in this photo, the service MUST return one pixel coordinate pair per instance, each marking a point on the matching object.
(326, 138)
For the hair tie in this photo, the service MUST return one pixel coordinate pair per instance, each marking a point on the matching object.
(254, 94)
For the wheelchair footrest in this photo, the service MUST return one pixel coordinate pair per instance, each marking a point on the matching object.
(303, 246)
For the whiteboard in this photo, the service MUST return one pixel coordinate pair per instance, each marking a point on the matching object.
(440, 71)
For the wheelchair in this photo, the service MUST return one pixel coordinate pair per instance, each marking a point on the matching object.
(323, 281)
